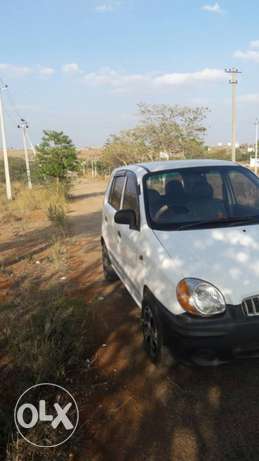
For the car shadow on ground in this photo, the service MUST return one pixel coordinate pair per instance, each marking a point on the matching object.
(35, 242)
(85, 196)
(180, 413)
(161, 413)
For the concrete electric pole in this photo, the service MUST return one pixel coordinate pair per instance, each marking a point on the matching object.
(256, 144)
(234, 83)
(6, 163)
(23, 125)
(30, 143)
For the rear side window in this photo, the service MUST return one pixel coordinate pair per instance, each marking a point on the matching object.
(130, 200)
(215, 180)
(116, 192)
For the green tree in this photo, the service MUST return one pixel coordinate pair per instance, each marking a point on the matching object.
(56, 156)
(162, 128)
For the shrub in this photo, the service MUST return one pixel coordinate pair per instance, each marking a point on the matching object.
(57, 215)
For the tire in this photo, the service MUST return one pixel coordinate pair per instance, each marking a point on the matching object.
(152, 332)
(153, 337)
(109, 273)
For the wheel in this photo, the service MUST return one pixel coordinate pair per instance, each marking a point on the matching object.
(153, 337)
(109, 273)
(152, 332)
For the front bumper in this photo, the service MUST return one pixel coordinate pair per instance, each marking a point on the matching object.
(226, 336)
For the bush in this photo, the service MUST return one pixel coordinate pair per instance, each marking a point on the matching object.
(57, 215)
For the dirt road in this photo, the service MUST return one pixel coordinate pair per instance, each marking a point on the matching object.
(138, 411)
(130, 409)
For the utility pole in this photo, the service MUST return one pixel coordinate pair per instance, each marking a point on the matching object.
(256, 144)
(6, 163)
(233, 82)
(24, 126)
(30, 143)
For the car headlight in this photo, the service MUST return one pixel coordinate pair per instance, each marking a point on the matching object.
(200, 298)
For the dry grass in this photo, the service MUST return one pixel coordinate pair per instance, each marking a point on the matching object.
(39, 208)
(41, 347)
(17, 153)
(48, 330)
(44, 198)
(57, 255)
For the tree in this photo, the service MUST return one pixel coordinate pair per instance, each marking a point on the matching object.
(56, 156)
(127, 147)
(162, 128)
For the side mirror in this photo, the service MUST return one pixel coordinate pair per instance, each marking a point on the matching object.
(126, 217)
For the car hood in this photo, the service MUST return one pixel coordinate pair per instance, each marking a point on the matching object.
(227, 257)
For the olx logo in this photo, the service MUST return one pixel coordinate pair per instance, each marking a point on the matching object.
(48, 407)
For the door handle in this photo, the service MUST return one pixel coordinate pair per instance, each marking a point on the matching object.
(105, 219)
(119, 234)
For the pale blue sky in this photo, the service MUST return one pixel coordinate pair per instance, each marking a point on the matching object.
(83, 65)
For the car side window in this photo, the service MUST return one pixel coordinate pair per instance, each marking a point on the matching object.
(116, 192)
(215, 180)
(246, 192)
(131, 200)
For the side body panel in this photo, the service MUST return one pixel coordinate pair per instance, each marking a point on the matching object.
(139, 258)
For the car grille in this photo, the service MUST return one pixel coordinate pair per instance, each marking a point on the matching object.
(251, 306)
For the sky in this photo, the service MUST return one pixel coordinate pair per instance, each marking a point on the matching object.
(82, 66)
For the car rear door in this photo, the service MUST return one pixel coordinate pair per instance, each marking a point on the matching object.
(129, 245)
(110, 232)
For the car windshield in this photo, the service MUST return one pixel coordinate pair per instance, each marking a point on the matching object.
(201, 197)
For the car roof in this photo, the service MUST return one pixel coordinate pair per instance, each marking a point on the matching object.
(151, 167)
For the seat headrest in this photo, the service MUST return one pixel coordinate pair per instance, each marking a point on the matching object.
(175, 193)
(153, 195)
(202, 190)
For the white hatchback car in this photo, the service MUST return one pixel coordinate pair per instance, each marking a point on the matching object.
(183, 236)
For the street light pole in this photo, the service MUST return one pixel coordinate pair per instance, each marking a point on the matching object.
(5, 154)
(233, 81)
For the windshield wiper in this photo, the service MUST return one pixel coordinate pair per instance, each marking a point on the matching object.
(217, 222)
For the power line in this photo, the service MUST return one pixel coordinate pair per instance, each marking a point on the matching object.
(13, 105)
(15, 115)
(10, 114)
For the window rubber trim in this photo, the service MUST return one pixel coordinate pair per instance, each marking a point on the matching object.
(145, 168)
